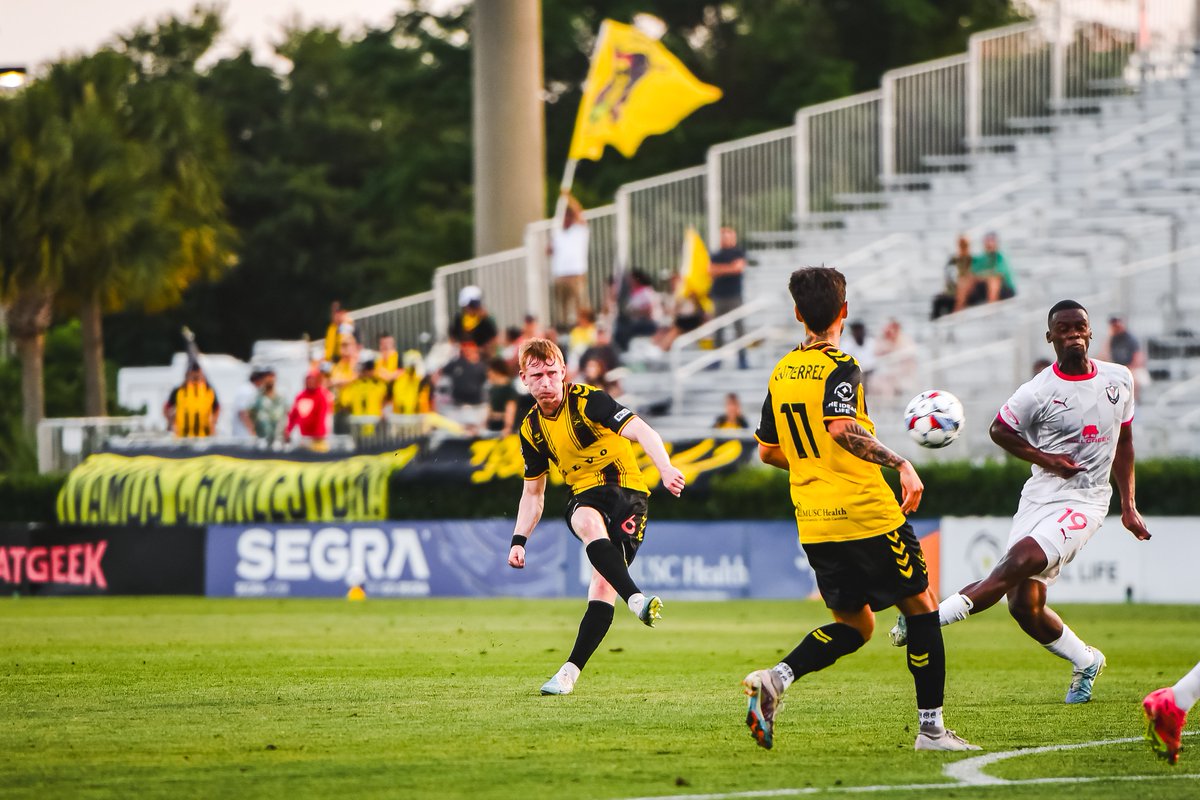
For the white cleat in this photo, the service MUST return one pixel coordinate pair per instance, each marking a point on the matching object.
(948, 741)
(561, 683)
(899, 632)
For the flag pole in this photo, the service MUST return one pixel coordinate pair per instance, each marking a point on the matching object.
(564, 188)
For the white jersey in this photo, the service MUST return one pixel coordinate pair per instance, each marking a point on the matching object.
(1079, 415)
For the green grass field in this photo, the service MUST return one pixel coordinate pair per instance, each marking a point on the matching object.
(439, 698)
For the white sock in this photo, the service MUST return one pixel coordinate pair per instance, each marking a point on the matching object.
(930, 720)
(570, 671)
(1072, 648)
(1187, 691)
(954, 608)
(636, 603)
(785, 674)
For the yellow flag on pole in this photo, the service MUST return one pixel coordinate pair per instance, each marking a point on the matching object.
(635, 88)
(694, 280)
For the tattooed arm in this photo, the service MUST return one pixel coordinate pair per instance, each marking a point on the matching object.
(858, 441)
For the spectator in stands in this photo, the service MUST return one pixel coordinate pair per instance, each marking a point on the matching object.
(733, 416)
(243, 401)
(643, 311)
(592, 373)
(858, 343)
(310, 412)
(1040, 366)
(387, 359)
(991, 279)
(269, 411)
(603, 349)
(687, 312)
(582, 336)
(569, 263)
(466, 378)
(958, 278)
(345, 369)
(192, 407)
(340, 327)
(726, 266)
(365, 396)
(412, 392)
(895, 361)
(501, 398)
(510, 350)
(473, 323)
(1123, 348)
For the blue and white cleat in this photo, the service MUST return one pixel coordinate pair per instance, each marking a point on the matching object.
(765, 690)
(1083, 679)
(651, 611)
(561, 683)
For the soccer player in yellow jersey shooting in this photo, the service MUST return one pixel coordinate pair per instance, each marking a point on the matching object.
(865, 555)
(587, 435)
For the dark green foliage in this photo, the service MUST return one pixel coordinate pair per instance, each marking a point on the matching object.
(29, 497)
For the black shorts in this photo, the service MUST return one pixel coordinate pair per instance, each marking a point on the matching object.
(878, 571)
(624, 512)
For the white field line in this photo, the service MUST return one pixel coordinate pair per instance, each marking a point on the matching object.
(967, 772)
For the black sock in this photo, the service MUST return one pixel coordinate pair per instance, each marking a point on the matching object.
(607, 559)
(927, 659)
(595, 623)
(822, 647)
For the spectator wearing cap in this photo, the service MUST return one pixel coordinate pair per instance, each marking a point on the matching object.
(340, 327)
(473, 322)
(192, 407)
(411, 392)
(269, 411)
(310, 411)
(243, 401)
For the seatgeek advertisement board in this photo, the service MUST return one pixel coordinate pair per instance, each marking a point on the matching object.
(468, 558)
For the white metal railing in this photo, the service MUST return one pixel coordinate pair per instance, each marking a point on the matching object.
(64, 442)
(654, 214)
(837, 151)
(409, 319)
(1009, 75)
(503, 277)
(751, 186)
(924, 113)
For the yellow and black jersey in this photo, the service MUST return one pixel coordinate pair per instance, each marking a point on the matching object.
(583, 439)
(411, 393)
(364, 396)
(838, 496)
(194, 404)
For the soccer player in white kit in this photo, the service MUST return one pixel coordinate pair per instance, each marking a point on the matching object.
(1072, 421)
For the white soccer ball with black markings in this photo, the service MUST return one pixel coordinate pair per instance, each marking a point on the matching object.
(934, 418)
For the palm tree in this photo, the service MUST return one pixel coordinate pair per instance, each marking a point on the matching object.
(34, 151)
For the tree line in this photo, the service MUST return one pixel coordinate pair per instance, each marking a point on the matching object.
(139, 193)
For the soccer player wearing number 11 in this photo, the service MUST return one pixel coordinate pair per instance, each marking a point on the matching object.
(866, 558)
(1072, 421)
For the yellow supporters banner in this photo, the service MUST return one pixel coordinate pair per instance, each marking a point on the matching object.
(111, 489)
(694, 279)
(635, 88)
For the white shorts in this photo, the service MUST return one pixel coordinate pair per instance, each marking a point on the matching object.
(1061, 527)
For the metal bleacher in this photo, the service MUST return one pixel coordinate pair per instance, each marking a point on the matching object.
(1075, 136)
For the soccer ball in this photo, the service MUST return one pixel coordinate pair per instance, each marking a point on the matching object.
(934, 418)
